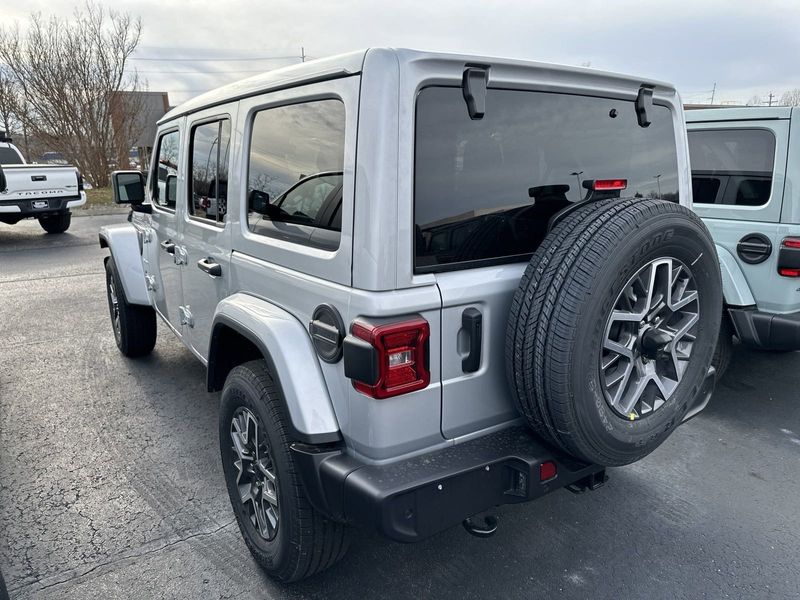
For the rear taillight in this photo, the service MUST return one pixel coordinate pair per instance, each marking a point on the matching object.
(398, 352)
(609, 184)
(80, 182)
(789, 257)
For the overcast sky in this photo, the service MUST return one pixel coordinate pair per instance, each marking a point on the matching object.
(747, 47)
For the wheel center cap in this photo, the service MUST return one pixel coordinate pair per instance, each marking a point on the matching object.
(654, 341)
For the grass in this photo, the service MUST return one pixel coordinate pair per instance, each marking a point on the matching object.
(98, 197)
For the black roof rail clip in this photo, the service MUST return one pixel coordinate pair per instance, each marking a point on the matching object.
(474, 84)
(644, 104)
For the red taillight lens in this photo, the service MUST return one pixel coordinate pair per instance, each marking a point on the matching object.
(789, 272)
(610, 184)
(791, 243)
(401, 357)
(547, 470)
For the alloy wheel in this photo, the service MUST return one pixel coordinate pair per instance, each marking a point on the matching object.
(256, 477)
(649, 337)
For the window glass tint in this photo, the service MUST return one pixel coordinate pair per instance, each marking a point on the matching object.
(485, 189)
(165, 182)
(208, 196)
(9, 156)
(732, 166)
(295, 170)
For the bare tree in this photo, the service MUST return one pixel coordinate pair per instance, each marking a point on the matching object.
(755, 100)
(71, 79)
(7, 102)
(791, 98)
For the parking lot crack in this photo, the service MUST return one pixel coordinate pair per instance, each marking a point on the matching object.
(74, 576)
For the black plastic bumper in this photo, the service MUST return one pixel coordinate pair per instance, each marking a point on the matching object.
(767, 331)
(413, 499)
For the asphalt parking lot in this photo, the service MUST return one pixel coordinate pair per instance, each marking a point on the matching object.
(111, 486)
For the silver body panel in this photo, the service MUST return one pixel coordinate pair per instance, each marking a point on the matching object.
(273, 286)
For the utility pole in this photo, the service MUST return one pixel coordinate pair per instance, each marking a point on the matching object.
(302, 54)
(713, 92)
(771, 96)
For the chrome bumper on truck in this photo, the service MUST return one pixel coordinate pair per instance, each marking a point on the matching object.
(413, 499)
(36, 207)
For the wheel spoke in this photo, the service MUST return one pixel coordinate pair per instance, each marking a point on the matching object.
(256, 477)
(618, 348)
(640, 367)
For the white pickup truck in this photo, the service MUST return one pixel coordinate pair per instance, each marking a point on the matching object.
(43, 192)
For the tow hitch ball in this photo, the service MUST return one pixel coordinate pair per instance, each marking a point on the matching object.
(481, 530)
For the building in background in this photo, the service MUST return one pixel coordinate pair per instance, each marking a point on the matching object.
(149, 108)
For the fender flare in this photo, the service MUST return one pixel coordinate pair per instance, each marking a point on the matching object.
(286, 346)
(735, 289)
(123, 242)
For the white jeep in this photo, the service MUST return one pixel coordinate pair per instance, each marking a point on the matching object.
(426, 285)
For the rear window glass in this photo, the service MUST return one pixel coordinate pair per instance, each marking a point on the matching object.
(486, 189)
(9, 156)
(732, 166)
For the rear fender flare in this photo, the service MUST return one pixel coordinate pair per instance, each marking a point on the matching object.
(286, 346)
(735, 288)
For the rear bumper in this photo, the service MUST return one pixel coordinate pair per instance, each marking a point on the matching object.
(24, 209)
(416, 498)
(413, 499)
(765, 330)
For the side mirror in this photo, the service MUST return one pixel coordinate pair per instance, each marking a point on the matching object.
(170, 190)
(128, 187)
(258, 202)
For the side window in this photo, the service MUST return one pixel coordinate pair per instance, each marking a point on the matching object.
(732, 166)
(210, 152)
(295, 171)
(165, 182)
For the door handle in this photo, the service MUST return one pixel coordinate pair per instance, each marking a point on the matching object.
(207, 265)
(472, 322)
(168, 246)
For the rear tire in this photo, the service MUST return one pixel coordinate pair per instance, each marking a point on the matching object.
(56, 223)
(567, 309)
(134, 325)
(286, 536)
(724, 350)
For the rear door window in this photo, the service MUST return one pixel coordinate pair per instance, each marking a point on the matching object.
(210, 152)
(733, 166)
(486, 189)
(295, 173)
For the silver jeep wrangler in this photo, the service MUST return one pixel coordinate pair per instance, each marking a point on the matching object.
(425, 284)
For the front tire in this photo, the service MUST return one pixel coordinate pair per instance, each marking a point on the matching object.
(285, 534)
(134, 325)
(56, 223)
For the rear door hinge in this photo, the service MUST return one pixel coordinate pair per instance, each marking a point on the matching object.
(150, 280)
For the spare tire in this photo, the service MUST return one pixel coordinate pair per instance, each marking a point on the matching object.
(613, 327)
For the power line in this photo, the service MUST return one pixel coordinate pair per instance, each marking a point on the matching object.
(221, 72)
(213, 59)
